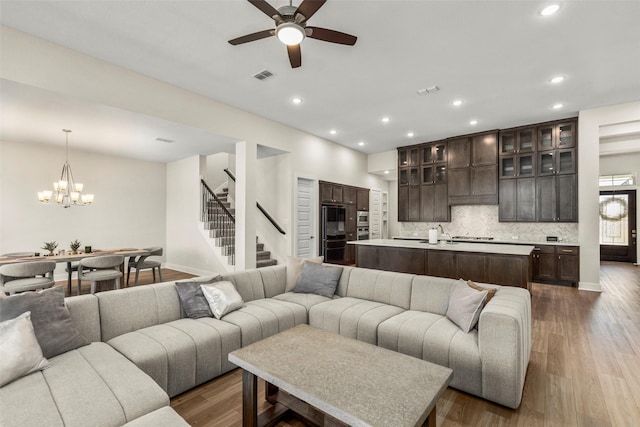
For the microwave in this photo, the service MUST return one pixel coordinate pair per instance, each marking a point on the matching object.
(363, 219)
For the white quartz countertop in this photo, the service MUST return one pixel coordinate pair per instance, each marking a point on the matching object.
(489, 248)
(497, 241)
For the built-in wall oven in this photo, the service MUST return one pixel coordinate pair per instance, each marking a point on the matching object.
(362, 233)
(362, 219)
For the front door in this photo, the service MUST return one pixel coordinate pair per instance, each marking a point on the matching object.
(618, 232)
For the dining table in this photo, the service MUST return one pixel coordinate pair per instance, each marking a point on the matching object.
(69, 258)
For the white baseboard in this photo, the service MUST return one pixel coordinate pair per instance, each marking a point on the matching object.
(593, 287)
(190, 270)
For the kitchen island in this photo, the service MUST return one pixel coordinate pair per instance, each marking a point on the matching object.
(500, 264)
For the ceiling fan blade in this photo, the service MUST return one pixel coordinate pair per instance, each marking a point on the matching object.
(295, 56)
(265, 7)
(252, 37)
(332, 36)
(309, 7)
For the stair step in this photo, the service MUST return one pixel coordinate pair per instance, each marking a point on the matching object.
(266, 263)
(262, 255)
(259, 247)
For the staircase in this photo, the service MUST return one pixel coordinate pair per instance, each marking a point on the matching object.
(219, 219)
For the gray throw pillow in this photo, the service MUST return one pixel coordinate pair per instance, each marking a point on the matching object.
(465, 305)
(193, 302)
(52, 322)
(20, 352)
(318, 279)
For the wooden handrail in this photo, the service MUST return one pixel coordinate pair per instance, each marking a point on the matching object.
(260, 208)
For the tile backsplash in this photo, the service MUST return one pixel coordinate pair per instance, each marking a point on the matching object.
(482, 220)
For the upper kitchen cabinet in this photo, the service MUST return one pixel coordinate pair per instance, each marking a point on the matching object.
(363, 199)
(330, 192)
(551, 165)
(434, 152)
(473, 169)
(349, 195)
(408, 156)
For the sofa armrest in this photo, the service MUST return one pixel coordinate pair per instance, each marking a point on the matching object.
(504, 340)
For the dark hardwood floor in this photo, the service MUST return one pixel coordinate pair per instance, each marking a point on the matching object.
(584, 368)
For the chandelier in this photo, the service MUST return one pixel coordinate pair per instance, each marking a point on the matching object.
(66, 192)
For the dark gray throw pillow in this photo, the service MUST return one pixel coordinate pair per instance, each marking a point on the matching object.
(193, 302)
(318, 279)
(52, 322)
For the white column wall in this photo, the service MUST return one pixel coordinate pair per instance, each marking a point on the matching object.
(187, 249)
(246, 211)
(589, 125)
(129, 208)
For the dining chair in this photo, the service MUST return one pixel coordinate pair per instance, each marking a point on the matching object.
(142, 263)
(26, 276)
(98, 269)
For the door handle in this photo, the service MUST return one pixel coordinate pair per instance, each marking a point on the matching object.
(311, 237)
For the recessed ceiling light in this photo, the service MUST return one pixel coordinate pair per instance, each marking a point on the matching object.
(457, 103)
(557, 79)
(386, 172)
(410, 134)
(333, 131)
(385, 119)
(550, 9)
(296, 100)
(361, 143)
(473, 122)
(557, 106)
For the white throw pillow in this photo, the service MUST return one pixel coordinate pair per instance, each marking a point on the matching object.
(20, 352)
(222, 298)
(465, 305)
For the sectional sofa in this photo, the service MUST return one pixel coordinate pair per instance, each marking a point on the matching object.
(144, 350)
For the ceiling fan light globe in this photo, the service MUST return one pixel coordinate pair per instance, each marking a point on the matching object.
(290, 33)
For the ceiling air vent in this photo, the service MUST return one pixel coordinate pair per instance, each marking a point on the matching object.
(262, 75)
(432, 89)
(168, 141)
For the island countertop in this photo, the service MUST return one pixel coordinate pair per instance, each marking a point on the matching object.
(488, 248)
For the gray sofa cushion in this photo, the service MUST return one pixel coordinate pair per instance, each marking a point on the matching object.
(91, 386)
(318, 279)
(381, 286)
(51, 320)
(181, 354)
(305, 300)
(163, 417)
(273, 280)
(436, 339)
(431, 294)
(85, 313)
(260, 319)
(130, 309)
(352, 317)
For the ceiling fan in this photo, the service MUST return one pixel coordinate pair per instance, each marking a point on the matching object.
(291, 28)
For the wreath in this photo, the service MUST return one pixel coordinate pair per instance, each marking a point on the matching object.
(623, 209)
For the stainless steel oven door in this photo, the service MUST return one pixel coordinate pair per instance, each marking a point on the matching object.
(363, 233)
(363, 219)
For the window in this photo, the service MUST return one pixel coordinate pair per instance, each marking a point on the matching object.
(617, 180)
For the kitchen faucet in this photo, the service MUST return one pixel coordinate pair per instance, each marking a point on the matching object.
(447, 235)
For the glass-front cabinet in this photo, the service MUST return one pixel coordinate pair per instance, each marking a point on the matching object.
(522, 140)
(434, 152)
(521, 165)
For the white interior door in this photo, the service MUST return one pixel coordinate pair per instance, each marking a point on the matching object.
(305, 217)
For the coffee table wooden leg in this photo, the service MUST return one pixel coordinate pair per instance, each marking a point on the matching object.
(431, 419)
(249, 399)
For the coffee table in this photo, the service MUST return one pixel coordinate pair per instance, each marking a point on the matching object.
(332, 380)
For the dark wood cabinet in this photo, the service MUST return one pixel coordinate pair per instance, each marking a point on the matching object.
(441, 264)
(409, 203)
(362, 199)
(472, 265)
(408, 156)
(433, 203)
(547, 154)
(349, 195)
(556, 198)
(401, 260)
(473, 169)
(556, 264)
(330, 192)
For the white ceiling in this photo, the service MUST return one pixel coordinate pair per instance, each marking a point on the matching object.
(497, 56)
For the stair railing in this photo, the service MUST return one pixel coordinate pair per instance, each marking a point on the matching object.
(260, 208)
(217, 217)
